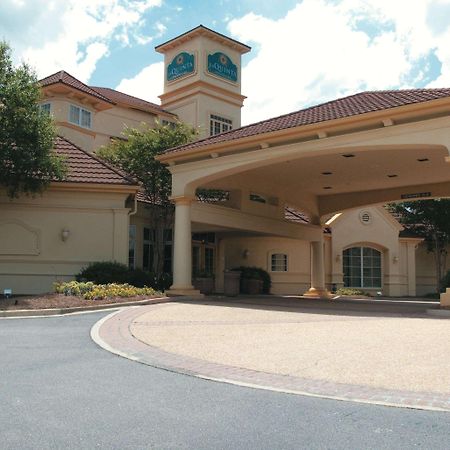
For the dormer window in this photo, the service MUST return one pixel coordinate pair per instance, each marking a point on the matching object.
(80, 116)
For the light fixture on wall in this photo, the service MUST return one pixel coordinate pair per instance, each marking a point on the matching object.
(395, 259)
(338, 258)
(65, 233)
(245, 253)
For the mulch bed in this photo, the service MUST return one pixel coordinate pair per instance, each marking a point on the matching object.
(47, 301)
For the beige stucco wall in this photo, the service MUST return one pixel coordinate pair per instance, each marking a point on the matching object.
(104, 124)
(425, 270)
(295, 281)
(98, 227)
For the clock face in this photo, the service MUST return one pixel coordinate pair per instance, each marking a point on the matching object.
(220, 65)
(182, 64)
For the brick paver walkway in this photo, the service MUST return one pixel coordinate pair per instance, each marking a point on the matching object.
(115, 333)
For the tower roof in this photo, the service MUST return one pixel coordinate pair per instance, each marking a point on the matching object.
(201, 30)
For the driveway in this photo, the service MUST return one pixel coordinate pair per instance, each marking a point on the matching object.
(60, 390)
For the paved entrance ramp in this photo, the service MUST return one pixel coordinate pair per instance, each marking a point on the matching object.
(357, 351)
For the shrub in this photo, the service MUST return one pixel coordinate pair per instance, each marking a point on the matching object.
(256, 273)
(351, 291)
(91, 291)
(445, 282)
(104, 272)
(113, 272)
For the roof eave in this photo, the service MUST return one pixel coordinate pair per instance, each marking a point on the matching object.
(349, 123)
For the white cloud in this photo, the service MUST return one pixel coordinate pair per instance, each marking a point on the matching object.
(71, 35)
(147, 84)
(321, 50)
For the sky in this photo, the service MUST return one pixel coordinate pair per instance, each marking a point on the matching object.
(303, 52)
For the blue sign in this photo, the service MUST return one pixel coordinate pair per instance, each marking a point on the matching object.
(181, 65)
(221, 65)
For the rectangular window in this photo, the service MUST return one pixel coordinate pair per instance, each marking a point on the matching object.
(132, 247)
(148, 250)
(45, 108)
(279, 262)
(219, 124)
(80, 116)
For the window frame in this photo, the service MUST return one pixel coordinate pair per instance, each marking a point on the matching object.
(79, 121)
(277, 266)
(219, 124)
(363, 268)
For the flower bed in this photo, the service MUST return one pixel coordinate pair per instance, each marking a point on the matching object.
(90, 291)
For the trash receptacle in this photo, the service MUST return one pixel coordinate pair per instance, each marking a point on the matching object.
(231, 283)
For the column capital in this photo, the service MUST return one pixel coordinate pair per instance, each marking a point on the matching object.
(181, 200)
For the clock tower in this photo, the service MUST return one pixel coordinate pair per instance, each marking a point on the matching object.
(202, 80)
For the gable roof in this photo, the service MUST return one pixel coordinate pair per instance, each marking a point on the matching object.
(353, 105)
(86, 168)
(199, 31)
(129, 100)
(67, 79)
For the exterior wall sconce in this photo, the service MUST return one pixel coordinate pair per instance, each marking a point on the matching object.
(338, 258)
(245, 253)
(395, 259)
(65, 233)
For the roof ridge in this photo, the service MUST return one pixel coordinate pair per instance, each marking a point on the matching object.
(101, 161)
(132, 97)
(124, 93)
(60, 78)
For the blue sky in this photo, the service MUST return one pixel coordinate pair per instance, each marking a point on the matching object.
(304, 52)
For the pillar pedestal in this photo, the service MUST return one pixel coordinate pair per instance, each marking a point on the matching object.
(317, 289)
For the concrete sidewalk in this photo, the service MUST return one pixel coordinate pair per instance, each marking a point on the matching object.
(376, 353)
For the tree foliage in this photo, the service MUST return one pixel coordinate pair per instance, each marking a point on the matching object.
(27, 162)
(135, 155)
(429, 219)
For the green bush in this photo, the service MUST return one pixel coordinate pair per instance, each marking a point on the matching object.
(113, 272)
(256, 273)
(91, 291)
(351, 291)
(104, 272)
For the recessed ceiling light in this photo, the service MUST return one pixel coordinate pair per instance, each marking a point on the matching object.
(327, 187)
(348, 155)
(422, 159)
(392, 175)
(327, 173)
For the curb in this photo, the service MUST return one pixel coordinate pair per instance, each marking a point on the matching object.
(439, 312)
(121, 342)
(18, 313)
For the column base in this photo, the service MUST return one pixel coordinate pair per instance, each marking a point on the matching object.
(189, 292)
(445, 299)
(317, 293)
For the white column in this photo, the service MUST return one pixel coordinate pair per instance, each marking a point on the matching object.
(182, 255)
(317, 289)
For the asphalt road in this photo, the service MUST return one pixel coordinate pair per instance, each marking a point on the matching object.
(58, 390)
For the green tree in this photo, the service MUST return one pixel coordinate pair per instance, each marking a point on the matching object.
(27, 162)
(429, 219)
(135, 155)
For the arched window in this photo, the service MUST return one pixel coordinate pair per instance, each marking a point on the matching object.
(362, 267)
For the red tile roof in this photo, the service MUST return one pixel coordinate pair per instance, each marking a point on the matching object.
(362, 103)
(67, 79)
(134, 102)
(86, 168)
